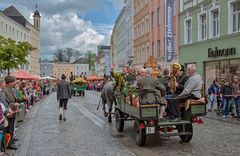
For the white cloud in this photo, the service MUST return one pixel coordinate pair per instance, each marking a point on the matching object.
(61, 25)
(69, 31)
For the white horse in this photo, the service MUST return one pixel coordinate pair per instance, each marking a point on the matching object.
(107, 98)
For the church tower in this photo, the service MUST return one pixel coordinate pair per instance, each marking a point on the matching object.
(36, 18)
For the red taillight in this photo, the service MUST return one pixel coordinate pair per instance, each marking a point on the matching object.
(167, 129)
(142, 126)
(151, 123)
(200, 121)
(197, 120)
(170, 129)
(194, 119)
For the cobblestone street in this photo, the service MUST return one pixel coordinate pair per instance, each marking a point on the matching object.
(87, 132)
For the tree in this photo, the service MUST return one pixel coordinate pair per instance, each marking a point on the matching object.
(91, 60)
(13, 54)
(59, 56)
(69, 54)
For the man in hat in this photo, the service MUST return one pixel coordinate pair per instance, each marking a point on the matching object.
(192, 88)
(174, 105)
(63, 94)
(12, 102)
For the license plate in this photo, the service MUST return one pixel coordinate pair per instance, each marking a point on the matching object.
(150, 130)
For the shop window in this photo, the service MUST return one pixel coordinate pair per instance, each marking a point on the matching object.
(211, 72)
(234, 67)
(224, 70)
(221, 70)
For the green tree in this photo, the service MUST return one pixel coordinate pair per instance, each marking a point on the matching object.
(13, 54)
(91, 60)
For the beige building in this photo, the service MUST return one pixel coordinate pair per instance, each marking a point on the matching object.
(33, 58)
(63, 68)
(141, 25)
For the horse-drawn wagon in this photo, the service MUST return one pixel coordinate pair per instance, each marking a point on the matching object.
(146, 117)
(79, 86)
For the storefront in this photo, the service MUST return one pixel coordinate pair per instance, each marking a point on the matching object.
(222, 69)
(216, 58)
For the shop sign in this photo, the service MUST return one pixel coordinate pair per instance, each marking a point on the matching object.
(221, 52)
(169, 31)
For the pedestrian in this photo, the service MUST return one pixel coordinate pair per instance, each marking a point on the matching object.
(212, 91)
(236, 94)
(226, 94)
(63, 94)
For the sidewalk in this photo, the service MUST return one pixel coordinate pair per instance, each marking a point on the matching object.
(213, 115)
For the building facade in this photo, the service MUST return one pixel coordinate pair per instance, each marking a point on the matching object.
(159, 28)
(81, 67)
(129, 30)
(33, 58)
(105, 59)
(120, 24)
(113, 46)
(14, 25)
(46, 69)
(209, 37)
(62, 68)
(141, 25)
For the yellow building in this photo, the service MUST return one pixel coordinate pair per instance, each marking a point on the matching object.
(63, 68)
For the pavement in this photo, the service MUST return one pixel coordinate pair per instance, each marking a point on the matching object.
(87, 133)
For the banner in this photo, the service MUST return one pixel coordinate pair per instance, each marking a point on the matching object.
(169, 31)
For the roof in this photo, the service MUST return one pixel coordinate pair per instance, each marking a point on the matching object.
(12, 11)
(15, 15)
(81, 61)
(36, 13)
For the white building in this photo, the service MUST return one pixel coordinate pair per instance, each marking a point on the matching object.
(105, 60)
(14, 25)
(81, 67)
(46, 69)
(129, 11)
(9, 28)
(120, 24)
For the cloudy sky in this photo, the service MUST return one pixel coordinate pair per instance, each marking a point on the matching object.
(78, 24)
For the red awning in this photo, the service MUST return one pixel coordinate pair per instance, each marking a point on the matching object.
(22, 74)
(94, 78)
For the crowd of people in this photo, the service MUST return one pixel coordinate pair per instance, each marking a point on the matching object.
(224, 96)
(18, 96)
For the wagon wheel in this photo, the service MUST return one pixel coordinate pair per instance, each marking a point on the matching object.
(140, 134)
(188, 128)
(118, 120)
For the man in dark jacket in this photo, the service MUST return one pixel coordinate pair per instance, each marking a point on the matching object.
(63, 94)
(151, 91)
